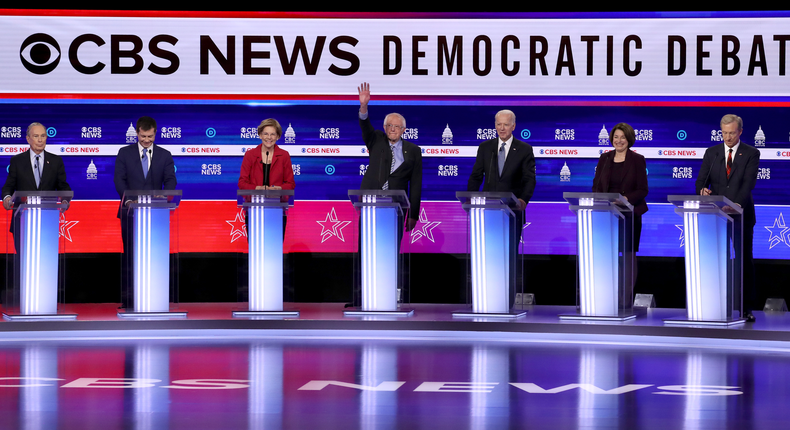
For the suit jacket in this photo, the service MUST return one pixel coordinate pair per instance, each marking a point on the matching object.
(129, 171)
(634, 186)
(518, 174)
(21, 178)
(408, 176)
(281, 173)
(743, 176)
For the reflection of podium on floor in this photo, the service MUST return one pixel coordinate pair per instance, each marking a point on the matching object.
(493, 248)
(150, 257)
(379, 258)
(36, 270)
(713, 235)
(604, 256)
(265, 209)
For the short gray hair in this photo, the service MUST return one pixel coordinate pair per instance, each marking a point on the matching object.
(730, 118)
(506, 112)
(397, 115)
(33, 125)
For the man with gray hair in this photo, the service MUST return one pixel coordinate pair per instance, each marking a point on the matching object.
(506, 164)
(395, 164)
(730, 170)
(34, 169)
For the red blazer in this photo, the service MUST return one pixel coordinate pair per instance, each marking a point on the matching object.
(281, 173)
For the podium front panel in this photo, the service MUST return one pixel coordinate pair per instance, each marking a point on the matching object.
(605, 255)
(712, 230)
(380, 267)
(35, 263)
(707, 261)
(265, 256)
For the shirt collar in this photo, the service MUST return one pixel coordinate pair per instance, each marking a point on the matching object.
(33, 156)
(140, 149)
(734, 148)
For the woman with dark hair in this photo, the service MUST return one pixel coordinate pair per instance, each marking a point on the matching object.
(624, 171)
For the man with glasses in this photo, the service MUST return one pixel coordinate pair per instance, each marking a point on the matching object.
(395, 164)
(730, 170)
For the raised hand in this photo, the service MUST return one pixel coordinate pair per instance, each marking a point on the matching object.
(364, 96)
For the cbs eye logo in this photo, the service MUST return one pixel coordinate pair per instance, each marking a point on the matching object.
(40, 53)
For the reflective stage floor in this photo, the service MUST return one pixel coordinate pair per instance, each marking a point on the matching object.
(324, 371)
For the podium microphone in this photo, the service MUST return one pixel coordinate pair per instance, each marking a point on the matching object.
(707, 177)
(265, 172)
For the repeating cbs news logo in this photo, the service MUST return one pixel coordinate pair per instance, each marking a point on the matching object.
(10, 132)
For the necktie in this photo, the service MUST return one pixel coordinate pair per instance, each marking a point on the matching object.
(729, 163)
(392, 167)
(145, 163)
(37, 172)
(501, 157)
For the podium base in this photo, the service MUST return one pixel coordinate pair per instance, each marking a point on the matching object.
(265, 314)
(151, 315)
(498, 315)
(41, 317)
(396, 313)
(580, 317)
(715, 323)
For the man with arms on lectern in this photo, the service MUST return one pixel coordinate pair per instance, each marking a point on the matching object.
(730, 170)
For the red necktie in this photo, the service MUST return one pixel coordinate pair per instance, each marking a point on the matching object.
(729, 163)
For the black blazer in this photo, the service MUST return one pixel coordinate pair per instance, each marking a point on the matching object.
(20, 174)
(741, 182)
(518, 174)
(129, 171)
(408, 176)
(634, 186)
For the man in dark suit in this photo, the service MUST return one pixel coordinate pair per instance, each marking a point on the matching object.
(32, 170)
(508, 165)
(730, 170)
(395, 164)
(505, 164)
(140, 166)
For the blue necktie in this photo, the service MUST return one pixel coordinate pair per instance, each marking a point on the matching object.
(145, 163)
(501, 157)
(37, 172)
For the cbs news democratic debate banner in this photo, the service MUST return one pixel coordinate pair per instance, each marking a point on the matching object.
(209, 80)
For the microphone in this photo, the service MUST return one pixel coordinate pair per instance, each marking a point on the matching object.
(489, 175)
(265, 171)
(381, 166)
(707, 177)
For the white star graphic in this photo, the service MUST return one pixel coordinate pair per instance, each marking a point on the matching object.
(780, 233)
(336, 228)
(238, 227)
(425, 228)
(524, 227)
(65, 227)
(682, 231)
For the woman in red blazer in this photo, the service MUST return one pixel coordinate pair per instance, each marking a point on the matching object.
(624, 171)
(267, 156)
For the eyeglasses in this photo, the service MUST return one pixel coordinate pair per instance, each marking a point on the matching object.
(396, 127)
(268, 134)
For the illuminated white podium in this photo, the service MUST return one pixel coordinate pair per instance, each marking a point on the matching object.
(265, 210)
(493, 248)
(713, 235)
(381, 265)
(604, 256)
(150, 257)
(33, 272)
